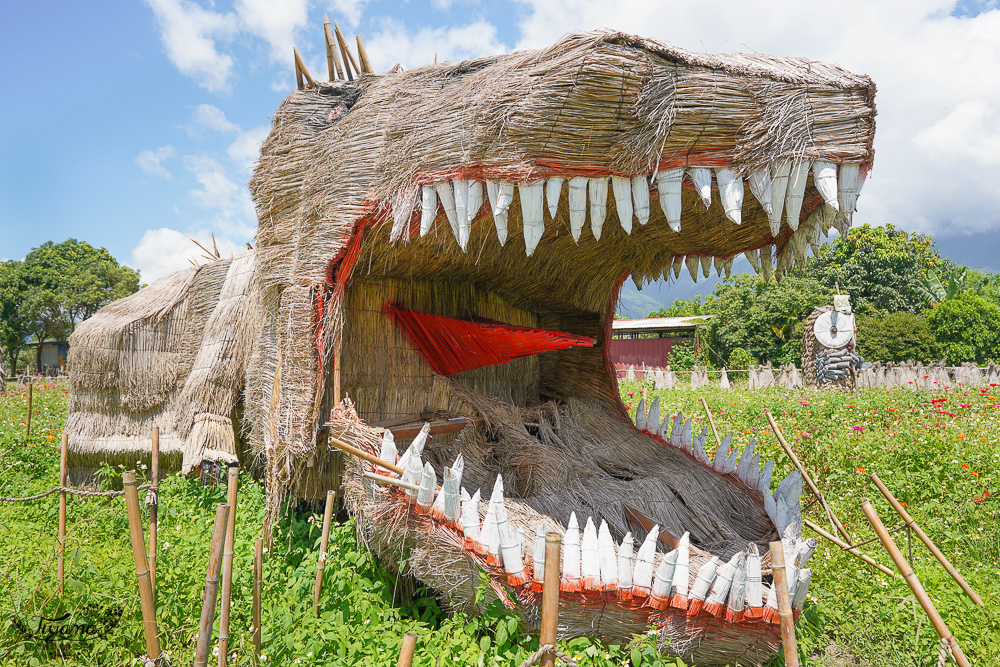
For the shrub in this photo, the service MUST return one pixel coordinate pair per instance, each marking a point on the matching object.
(896, 337)
(739, 362)
(966, 328)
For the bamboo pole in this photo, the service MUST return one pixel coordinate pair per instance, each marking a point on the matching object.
(331, 497)
(848, 548)
(227, 565)
(211, 586)
(258, 576)
(330, 70)
(407, 649)
(361, 454)
(300, 83)
(141, 567)
(346, 52)
(27, 432)
(63, 456)
(914, 583)
(949, 568)
(302, 68)
(366, 64)
(332, 50)
(785, 617)
(812, 486)
(711, 421)
(154, 486)
(550, 596)
(336, 374)
(390, 481)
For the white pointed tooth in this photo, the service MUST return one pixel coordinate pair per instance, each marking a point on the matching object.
(510, 543)
(771, 508)
(625, 562)
(571, 551)
(706, 265)
(505, 195)
(790, 487)
(608, 557)
(532, 209)
(642, 575)
(679, 584)
(461, 187)
(590, 560)
(796, 191)
(702, 179)
(779, 185)
(413, 473)
(719, 461)
(731, 461)
(731, 192)
(849, 186)
(728, 266)
(802, 588)
(452, 498)
(577, 205)
(653, 420)
(825, 179)
(753, 256)
(665, 575)
(782, 518)
(470, 516)
(417, 444)
(668, 184)
(538, 553)
(743, 467)
(640, 415)
(738, 588)
(760, 186)
(686, 440)
(699, 449)
(804, 551)
(388, 451)
(428, 208)
(677, 430)
(764, 480)
(677, 261)
(640, 199)
(754, 589)
(446, 194)
(458, 467)
(765, 262)
(553, 191)
(772, 597)
(706, 575)
(465, 497)
(723, 580)
(489, 534)
(717, 264)
(437, 508)
(475, 199)
(692, 264)
(499, 216)
(428, 482)
(597, 189)
(622, 188)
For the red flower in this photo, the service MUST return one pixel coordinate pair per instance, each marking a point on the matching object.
(965, 465)
(903, 504)
(974, 473)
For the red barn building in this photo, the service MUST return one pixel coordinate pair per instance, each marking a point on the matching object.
(648, 342)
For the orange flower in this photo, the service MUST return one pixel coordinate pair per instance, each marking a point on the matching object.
(974, 473)
(960, 436)
(861, 470)
(965, 465)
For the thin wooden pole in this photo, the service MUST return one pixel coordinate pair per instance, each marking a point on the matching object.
(366, 64)
(302, 68)
(390, 481)
(360, 453)
(331, 498)
(211, 586)
(258, 577)
(63, 456)
(407, 649)
(812, 486)
(550, 596)
(141, 567)
(331, 49)
(154, 487)
(346, 52)
(914, 583)
(711, 421)
(949, 568)
(785, 617)
(336, 374)
(27, 432)
(227, 566)
(848, 548)
(327, 34)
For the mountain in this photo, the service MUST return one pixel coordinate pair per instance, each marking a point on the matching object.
(634, 303)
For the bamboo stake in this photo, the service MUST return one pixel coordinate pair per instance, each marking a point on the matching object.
(63, 456)
(302, 68)
(331, 71)
(258, 576)
(154, 484)
(346, 52)
(812, 486)
(331, 497)
(299, 81)
(141, 569)
(785, 616)
(366, 64)
(211, 586)
(550, 596)
(227, 566)
(336, 374)
(848, 548)
(390, 481)
(407, 649)
(949, 568)
(340, 444)
(914, 583)
(711, 421)
(27, 432)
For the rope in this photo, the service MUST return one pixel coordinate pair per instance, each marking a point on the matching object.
(943, 652)
(542, 650)
(72, 491)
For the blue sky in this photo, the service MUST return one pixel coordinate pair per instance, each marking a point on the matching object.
(134, 125)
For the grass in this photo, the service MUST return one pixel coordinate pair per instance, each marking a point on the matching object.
(940, 458)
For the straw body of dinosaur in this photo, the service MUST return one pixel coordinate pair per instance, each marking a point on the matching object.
(449, 242)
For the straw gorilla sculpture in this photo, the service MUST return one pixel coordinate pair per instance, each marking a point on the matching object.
(449, 242)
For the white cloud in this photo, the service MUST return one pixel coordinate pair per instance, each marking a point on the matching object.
(938, 85)
(349, 10)
(395, 43)
(219, 193)
(189, 34)
(151, 161)
(162, 251)
(246, 148)
(275, 22)
(209, 117)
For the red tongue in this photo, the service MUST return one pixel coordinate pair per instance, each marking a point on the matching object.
(452, 346)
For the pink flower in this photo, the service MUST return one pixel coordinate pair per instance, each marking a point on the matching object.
(857, 428)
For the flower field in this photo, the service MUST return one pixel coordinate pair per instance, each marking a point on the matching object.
(937, 451)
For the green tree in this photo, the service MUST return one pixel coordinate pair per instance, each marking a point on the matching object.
(896, 337)
(15, 327)
(685, 308)
(882, 268)
(966, 328)
(950, 281)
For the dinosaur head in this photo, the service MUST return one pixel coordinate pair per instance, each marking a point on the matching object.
(462, 211)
